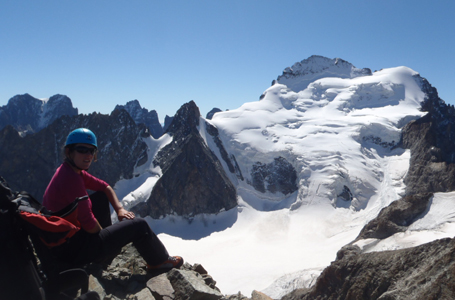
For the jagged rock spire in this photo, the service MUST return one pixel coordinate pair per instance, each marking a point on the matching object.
(193, 180)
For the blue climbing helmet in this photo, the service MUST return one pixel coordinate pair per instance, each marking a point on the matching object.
(81, 136)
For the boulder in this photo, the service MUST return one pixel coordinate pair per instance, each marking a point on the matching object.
(190, 285)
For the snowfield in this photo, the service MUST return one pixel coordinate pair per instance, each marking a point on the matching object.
(338, 133)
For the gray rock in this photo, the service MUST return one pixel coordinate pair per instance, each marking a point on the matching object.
(161, 287)
(256, 295)
(145, 294)
(191, 286)
(94, 285)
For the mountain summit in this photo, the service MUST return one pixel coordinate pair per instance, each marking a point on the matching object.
(316, 67)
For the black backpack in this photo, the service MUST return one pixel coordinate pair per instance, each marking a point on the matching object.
(28, 270)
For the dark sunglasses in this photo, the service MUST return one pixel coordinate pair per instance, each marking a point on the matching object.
(85, 150)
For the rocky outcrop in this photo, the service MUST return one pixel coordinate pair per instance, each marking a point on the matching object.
(29, 162)
(277, 176)
(396, 217)
(126, 278)
(424, 272)
(193, 180)
(28, 114)
(432, 143)
(144, 116)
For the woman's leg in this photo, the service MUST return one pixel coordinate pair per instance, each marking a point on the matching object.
(101, 209)
(137, 231)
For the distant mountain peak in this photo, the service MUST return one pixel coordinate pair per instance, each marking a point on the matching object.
(142, 115)
(316, 67)
(28, 114)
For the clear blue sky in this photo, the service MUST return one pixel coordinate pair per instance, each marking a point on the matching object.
(218, 53)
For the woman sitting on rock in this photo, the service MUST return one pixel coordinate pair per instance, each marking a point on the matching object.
(98, 238)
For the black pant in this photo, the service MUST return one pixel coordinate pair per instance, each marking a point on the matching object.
(84, 247)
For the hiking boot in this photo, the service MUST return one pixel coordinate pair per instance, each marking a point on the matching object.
(171, 262)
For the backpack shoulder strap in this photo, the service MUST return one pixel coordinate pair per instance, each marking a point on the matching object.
(6, 194)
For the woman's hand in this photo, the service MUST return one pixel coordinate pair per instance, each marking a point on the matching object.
(124, 214)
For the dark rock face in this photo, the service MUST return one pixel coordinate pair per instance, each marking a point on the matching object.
(28, 163)
(396, 217)
(28, 114)
(423, 272)
(432, 143)
(230, 160)
(142, 115)
(277, 176)
(167, 122)
(193, 180)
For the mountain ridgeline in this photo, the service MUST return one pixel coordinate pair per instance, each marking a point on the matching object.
(201, 174)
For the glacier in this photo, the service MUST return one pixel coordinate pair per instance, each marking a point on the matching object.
(341, 132)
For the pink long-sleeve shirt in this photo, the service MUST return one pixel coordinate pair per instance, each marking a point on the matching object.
(67, 185)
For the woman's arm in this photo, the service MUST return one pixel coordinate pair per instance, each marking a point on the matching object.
(121, 212)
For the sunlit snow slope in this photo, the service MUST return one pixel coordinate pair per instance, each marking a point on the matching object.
(339, 134)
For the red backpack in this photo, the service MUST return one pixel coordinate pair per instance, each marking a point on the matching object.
(52, 228)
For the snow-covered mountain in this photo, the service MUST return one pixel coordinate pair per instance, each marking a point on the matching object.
(28, 114)
(339, 128)
(332, 157)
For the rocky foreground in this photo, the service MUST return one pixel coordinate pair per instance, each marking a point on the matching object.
(425, 272)
(126, 278)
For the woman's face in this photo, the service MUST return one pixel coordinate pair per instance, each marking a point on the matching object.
(83, 155)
